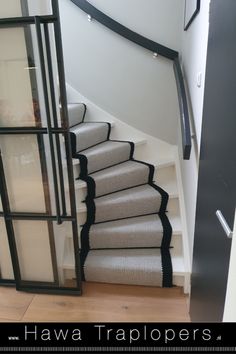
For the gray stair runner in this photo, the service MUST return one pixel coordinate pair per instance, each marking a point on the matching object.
(136, 266)
(104, 155)
(116, 178)
(86, 135)
(144, 231)
(76, 113)
(142, 200)
(127, 236)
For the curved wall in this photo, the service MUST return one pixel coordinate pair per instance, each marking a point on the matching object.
(119, 76)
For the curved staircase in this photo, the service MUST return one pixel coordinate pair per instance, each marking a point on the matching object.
(126, 235)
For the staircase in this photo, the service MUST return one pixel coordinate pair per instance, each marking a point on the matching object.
(131, 229)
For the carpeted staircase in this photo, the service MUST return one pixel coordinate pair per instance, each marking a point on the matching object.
(126, 238)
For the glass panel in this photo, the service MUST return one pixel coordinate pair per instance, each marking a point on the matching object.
(34, 251)
(18, 8)
(16, 103)
(21, 160)
(39, 8)
(65, 254)
(10, 8)
(6, 270)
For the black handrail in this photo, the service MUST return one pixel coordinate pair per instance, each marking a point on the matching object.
(183, 107)
(155, 48)
(124, 31)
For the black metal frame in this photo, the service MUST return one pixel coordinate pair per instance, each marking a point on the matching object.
(40, 138)
(146, 43)
(53, 131)
(25, 20)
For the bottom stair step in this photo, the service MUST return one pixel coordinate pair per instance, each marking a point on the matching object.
(126, 266)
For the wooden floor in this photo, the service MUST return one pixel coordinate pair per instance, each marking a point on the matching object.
(99, 303)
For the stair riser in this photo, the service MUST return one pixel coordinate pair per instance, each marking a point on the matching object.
(81, 191)
(81, 218)
(83, 138)
(161, 175)
(172, 207)
(143, 205)
(76, 170)
(76, 113)
(81, 194)
(166, 179)
(138, 151)
(178, 280)
(176, 243)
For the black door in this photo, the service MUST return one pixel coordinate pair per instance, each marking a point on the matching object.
(217, 169)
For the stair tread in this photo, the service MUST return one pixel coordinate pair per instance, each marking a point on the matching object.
(136, 142)
(143, 231)
(124, 175)
(175, 222)
(177, 261)
(106, 154)
(172, 194)
(141, 200)
(120, 169)
(122, 195)
(168, 184)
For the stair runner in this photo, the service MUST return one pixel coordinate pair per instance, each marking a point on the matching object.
(126, 238)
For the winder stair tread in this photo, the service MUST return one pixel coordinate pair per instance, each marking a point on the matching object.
(136, 201)
(85, 135)
(105, 154)
(121, 176)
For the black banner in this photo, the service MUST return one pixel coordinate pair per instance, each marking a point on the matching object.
(117, 337)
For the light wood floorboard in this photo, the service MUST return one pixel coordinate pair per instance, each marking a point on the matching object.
(13, 304)
(99, 303)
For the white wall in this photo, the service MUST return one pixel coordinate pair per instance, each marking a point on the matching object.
(119, 76)
(159, 20)
(230, 303)
(193, 57)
